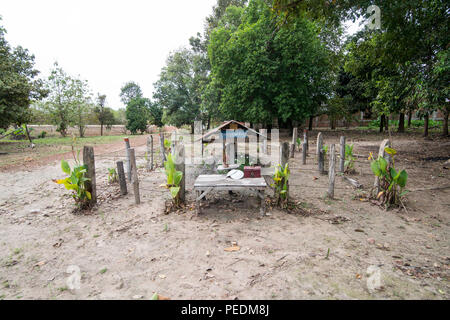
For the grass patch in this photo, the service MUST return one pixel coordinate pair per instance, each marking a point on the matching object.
(103, 271)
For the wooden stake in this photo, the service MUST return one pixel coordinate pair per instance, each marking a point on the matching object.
(122, 180)
(89, 161)
(331, 172)
(284, 154)
(306, 139)
(342, 156)
(163, 154)
(247, 150)
(149, 151)
(304, 152)
(137, 197)
(294, 141)
(320, 154)
(127, 147)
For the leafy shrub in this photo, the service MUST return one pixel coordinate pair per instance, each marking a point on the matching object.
(299, 143)
(349, 158)
(76, 183)
(281, 179)
(112, 175)
(174, 178)
(392, 182)
(42, 135)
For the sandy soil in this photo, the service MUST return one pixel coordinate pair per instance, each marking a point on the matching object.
(126, 251)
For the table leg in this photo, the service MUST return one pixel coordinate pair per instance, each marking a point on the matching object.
(261, 195)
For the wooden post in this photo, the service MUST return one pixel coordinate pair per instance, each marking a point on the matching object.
(284, 154)
(149, 153)
(163, 154)
(331, 172)
(320, 154)
(137, 197)
(89, 161)
(294, 141)
(306, 139)
(180, 166)
(304, 152)
(247, 150)
(381, 153)
(235, 148)
(127, 148)
(264, 140)
(122, 180)
(342, 156)
(224, 149)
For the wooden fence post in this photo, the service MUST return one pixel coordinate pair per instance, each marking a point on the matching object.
(294, 141)
(137, 197)
(163, 154)
(331, 172)
(320, 154)
(247, 150)
(264, 140)
(180, 166)
(89, 161)
(306, 139)
(127, 147)
(304, 152)
(284, 154)
(122, 180)
(342, 155)
(150, 153)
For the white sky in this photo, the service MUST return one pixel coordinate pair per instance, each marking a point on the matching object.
(106, 42)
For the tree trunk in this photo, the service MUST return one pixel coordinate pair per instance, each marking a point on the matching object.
(425, 131)
(310, 125)
(382, 119)
(386, 124)
(401, 123)
(333, 124)
(445, 130)
(192, 128)
(101, 129)
(409, 118)
(29, 137)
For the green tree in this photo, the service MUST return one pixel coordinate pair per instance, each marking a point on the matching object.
(104, 114)
(131, 90)
(18, 84)
(178, 90)
(137, 114)
(69, 101)
(263, 75)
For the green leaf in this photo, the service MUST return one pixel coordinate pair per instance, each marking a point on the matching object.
(177, 178)
(375, 166)
(88, 195)
(383, 165)
(174, 191)
(391, 151)
(402, 179)
(393, 173)
(65, 166)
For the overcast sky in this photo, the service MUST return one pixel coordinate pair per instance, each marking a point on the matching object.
(106, 42)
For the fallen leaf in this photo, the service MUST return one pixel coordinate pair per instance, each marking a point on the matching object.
(160, 297)
(233, 249)
(358, 276)
(359, 230)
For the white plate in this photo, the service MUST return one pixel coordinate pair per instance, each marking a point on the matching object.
(235, 174)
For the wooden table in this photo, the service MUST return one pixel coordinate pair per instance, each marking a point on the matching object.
(206, 183)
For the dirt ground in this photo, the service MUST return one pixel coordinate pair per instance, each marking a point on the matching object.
(124, 251)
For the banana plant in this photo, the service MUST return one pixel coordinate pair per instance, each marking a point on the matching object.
(174, 178)
(112, 175)
(392, 182)
(299, 143)
(76, 183)
(281, 179)
(349, 158)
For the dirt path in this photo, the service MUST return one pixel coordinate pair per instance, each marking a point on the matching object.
(125, 251)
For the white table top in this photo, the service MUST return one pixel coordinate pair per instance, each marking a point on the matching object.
(221, 181)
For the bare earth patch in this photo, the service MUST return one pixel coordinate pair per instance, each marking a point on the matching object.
(126, 251)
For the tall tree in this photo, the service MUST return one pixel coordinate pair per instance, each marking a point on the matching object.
(69, 101)
(18, 84)
(178, 91)
(131, 90)
(137, 114)
(264, 75)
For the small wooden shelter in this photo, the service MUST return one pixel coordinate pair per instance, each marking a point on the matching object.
(238, 130)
